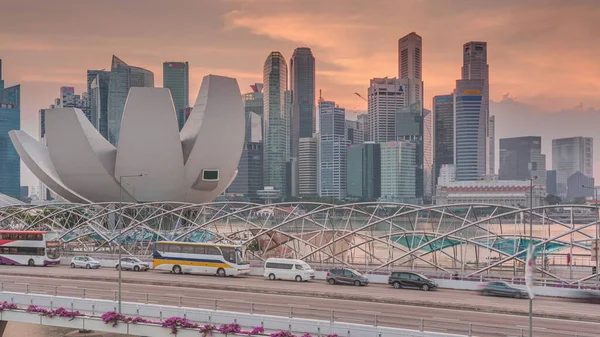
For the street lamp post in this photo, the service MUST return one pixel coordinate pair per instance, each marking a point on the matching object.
(532, 251)
(121, 228)
(597, 230)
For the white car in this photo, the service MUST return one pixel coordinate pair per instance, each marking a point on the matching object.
(133, 263)
(85, 262)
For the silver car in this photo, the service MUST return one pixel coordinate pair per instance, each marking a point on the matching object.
(133, 263)
(85, 262)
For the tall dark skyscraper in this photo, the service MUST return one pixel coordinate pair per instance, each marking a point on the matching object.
(10, 119)
(443, 110)
(176, 78)
(98, 81)
(122, 78)
(302, 82)
(521, 158)
(275, 142)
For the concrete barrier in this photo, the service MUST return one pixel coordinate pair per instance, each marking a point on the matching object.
(162, 312)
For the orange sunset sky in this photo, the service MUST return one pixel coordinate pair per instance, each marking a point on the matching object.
(544, 55)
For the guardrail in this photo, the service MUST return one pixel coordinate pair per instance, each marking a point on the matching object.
(367, 318)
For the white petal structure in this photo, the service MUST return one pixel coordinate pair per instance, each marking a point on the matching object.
(155, 161)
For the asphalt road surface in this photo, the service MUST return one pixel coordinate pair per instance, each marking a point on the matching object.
(444, 310)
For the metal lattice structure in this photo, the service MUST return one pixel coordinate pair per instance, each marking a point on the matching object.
(469, 239)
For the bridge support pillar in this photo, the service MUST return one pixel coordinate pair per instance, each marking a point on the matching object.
(2, 327)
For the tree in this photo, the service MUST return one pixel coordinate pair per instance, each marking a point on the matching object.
(552, 199)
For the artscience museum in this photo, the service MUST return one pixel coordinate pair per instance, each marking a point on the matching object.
(153, 160)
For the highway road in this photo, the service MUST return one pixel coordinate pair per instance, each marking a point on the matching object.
(443, 310)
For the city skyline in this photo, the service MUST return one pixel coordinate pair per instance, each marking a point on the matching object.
(510, 51)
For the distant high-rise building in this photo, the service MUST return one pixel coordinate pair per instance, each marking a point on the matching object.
(332, 150)
(551, 182)
(398, 163)
(447, 174)
(475, 67)
(250, 172)
(354, 132)
(409, 127)
(363, 179)
(521, 158)
(176, 77)
(97, 88)
(570, 155)
(122, 78)
(302, 86)
(410, 65)
(470, 153)
(386, 95)
(275, 124)
(363, 123)
(443, 112)
(254, 108)
(308, 163)
(575, 186)
(10, 119)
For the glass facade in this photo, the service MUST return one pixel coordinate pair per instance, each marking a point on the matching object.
(398, 174)
(469, 131)
(250, 172)
(332, 150)
(122, 78)
(363, 178)
(409, 127)
(443, 110)
(275, 123)
(98, 81)
(516, 158)
(176, 79)
(302, 82)
(10, 119)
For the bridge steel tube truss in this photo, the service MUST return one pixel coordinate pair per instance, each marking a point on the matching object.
(466, 239)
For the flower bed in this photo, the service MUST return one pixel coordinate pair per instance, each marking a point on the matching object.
(172, 323)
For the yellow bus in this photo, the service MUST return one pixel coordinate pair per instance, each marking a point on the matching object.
(200, 258)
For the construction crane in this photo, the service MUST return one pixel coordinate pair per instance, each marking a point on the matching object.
(359, 95)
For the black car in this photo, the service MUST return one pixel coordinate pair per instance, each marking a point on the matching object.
(411, 281)
(500, 288)
(346, 276)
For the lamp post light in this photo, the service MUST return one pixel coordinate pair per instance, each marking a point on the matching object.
(121, 228)
(531, 180)
(597, 230)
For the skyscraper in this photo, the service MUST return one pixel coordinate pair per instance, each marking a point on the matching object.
(176, 78)
(521, 158)
(276, 147)
(332, 150)
(570, 155)
(97, 88)
(398, 162)
(475, 67)
(363, 180)
(385, 96)
(469, 130)
(363, 123)
(443, 111)
(354, 132)
(410, 128)
(10, 119)
(410, 65)
(302, 82)
(254, 108)
(308, 172)
(122, 78)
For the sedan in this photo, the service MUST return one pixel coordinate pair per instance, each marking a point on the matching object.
(85, 262)
(499, 288)
(133, 263)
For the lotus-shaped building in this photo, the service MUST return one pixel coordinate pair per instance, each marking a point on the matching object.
(153, 160)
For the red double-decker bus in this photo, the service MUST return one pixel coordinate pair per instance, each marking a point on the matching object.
(32, 248)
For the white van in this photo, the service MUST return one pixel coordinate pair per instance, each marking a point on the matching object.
(288, 269)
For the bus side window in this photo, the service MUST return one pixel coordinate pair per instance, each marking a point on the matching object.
(174, 248)
(187, 249)
(210, 250)
(200, 250)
